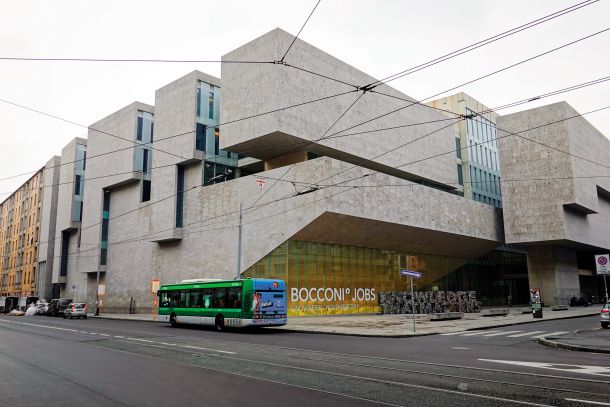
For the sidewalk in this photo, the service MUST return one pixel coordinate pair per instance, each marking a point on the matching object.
(596, 340)
(401, 325)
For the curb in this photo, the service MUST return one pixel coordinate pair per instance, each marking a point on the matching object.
(531, 321)
(559, 345)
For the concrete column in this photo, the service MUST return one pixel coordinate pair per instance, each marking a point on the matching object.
(554, 270)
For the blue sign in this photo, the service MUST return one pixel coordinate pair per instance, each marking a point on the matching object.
(411, 273)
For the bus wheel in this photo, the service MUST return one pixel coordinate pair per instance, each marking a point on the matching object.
(172, 320)
(219, 323)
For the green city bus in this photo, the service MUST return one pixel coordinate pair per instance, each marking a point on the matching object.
(230, 303)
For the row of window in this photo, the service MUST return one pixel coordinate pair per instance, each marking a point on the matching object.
(203, 298)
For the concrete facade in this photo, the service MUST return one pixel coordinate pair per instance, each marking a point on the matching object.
(555, 192)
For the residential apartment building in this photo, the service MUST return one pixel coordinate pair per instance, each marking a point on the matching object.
(19, 239)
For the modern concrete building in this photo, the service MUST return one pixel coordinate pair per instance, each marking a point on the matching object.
(556, 193)
(337, 195)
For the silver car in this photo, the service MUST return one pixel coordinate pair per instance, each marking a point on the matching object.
(605, 316)
(76, 310)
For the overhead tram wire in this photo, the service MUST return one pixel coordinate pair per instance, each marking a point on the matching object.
(304, 24)
(473, 80)
(309, 143)
(520, 28)
(482, 43)
(116, 60)
(154, 140)
(350, 187)
(419, 102)
(564, 90)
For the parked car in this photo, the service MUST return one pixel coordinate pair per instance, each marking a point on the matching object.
(42, 306)
(58, 306)
(605, 316)
(76, 309)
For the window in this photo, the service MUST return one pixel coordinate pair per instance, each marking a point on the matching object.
(145, 190)
(216, 142)
(105, 226)
(77, 185)
(198, 112)
(145, 161)
(458, 148)
(65, 246)
(140, 125)
(211, 103)
(84, 160)
(220, 298)
(200, 137)
(214, 173)
(234, 297)
(460, 175)
(180, 197)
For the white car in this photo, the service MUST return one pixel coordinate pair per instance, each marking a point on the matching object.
(76, 309)
(605, 316)
(42, 307)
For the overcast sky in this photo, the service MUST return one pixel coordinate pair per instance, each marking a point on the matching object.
(380, 37)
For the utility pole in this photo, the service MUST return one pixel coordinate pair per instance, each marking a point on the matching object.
(239, 243)
(413, 304)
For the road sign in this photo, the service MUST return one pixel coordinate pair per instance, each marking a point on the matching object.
(154, 286)
(411, 273)
(602, 263)
(260, 183)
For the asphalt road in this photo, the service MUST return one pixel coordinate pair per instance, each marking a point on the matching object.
(50, 361)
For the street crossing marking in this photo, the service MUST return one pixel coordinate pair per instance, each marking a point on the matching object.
(478, 333)
(550, 334)
(502, 333)
(526, 334)
(508, 334)
(583, 369)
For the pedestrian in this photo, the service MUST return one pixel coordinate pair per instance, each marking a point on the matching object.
(510, 300)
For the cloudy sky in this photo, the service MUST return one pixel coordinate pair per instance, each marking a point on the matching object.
(378, 37)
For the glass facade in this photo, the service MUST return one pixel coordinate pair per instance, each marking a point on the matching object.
(218, 165)
(180, 197)
(105, 226)
(335, 279)
(483, 157)
(79, 182)
(144, 140)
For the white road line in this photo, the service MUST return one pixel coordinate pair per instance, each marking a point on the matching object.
(503, 333)
(479, 333)
(92, 333)
(104, 335)
(597, 403)
(141, 340)
(551, 334)
(526, 334)
(118, 336)
(83, 332)
(213, 350)
(43, 326)
(454, 333)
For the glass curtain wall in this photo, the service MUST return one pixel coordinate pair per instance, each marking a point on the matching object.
(144, 140)
(484, 163)
(219, 165)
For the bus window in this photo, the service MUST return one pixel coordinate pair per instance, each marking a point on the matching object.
(164, 301)
(196, 299)
(174, 299)
(234, 297)
(206, 294)
(220, 298)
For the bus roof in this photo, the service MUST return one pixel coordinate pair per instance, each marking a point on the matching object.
(258, 283)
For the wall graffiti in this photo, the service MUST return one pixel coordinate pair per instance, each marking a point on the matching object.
(428, 302)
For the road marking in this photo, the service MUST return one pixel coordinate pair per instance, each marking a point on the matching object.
(460, 348)
(141, 340)
(118, 336)
(454, 333)
(583, 369)
(551, 334)
(104, 335)
(503, 333)
(83, 332)
(597, 403)
(478, 333)
(526, 334)
(44, 326)
(92, 333)
(213, 350)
